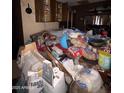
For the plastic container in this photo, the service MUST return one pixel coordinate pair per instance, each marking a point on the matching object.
(104, 60)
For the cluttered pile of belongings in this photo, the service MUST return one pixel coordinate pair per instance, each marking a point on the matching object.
(37, 73)
(67, 47)
(75, 44)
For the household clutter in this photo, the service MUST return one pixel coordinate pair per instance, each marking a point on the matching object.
(56, 60)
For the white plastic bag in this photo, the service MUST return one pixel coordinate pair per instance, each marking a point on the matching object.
(89, 79)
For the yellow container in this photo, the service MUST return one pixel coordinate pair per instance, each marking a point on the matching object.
(104, 60)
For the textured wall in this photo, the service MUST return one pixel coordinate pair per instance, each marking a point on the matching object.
(28, 21)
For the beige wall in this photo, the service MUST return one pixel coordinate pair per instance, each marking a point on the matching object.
(28, 21)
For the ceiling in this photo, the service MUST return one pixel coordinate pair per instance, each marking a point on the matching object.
(76, 2)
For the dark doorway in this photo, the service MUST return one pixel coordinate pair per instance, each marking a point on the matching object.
(17, 31)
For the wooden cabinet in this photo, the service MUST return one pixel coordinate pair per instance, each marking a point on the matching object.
(61, 11)
(64, 11)
(53, 10)
(38, 10)
(45, 10)
(50, 11)
(58, 11)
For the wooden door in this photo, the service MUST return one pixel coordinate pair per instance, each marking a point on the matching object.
(17, 32)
